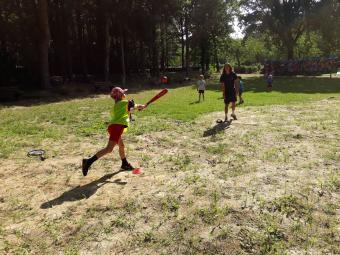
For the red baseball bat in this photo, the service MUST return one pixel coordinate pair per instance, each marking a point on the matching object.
(156, 97)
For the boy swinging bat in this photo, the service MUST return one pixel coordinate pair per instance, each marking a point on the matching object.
(119, 121)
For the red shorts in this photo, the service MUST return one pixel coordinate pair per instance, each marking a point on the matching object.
(115, 131)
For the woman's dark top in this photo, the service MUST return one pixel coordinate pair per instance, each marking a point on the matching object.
(228, 81)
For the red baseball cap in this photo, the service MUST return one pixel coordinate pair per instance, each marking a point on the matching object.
(117, 92)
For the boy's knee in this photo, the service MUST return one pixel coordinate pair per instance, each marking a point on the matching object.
(109, 149)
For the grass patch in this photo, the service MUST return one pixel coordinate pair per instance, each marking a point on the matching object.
(29, 126)
(267, 185)
(170, 204)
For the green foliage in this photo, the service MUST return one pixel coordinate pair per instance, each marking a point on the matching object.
(326, 21)
(246, 53)
(243, 69)
(284, 22)
(308, 45)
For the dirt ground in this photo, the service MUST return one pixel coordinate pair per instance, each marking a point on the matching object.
(267, 183)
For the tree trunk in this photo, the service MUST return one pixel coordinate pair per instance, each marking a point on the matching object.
(155, 53)
(217, 61)
(122, 57)
(186, 46)
(182, 43)
(290, 51)
(44, 41)
(141, 53)
(166, 46)
(238, 58)
(162, 25)
(101, 40)
(202, 59)
(207, 57)
(82, 44)
(107, 48)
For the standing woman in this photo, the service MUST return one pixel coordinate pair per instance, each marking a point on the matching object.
(227, 80)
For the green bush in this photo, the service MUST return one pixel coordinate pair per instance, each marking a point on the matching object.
(246, 69)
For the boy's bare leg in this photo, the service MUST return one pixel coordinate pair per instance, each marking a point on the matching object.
(121, 149)
(86, 164)
(125, 164)
(108, 149)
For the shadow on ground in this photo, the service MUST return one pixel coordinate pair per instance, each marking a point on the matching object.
(195, 102)
(82, 192)
(283, 84)
(218, 128)
(73, 91)
(288, 84)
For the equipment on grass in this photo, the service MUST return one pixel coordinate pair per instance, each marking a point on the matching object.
(156, 97)
(40, 153)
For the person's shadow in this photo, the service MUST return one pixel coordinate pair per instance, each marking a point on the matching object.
(195, 102)
(219, 127)
(82, 192)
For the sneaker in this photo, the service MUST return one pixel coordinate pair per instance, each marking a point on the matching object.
(233, 116)
(127, 167)
(226, 119)
(85, 166)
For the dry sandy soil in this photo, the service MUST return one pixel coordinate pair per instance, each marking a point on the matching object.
(267, 183)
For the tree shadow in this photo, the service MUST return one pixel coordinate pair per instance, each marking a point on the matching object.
(82, 192)
(218, 128)
(74, 90)
(293, 84)
(195, 102)
(289, 84)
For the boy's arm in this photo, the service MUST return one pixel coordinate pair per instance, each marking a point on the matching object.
(140, 107)
(132, 106)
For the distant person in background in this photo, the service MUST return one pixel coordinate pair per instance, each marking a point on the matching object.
(240, 90)
(227, 80)
(201, 87)
(270, 82)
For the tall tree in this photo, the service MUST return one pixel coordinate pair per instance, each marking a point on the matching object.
(326, 20)
(44, 42)
(284, 20)
(211, 19)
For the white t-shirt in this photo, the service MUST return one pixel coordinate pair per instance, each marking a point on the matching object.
(201, 84)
